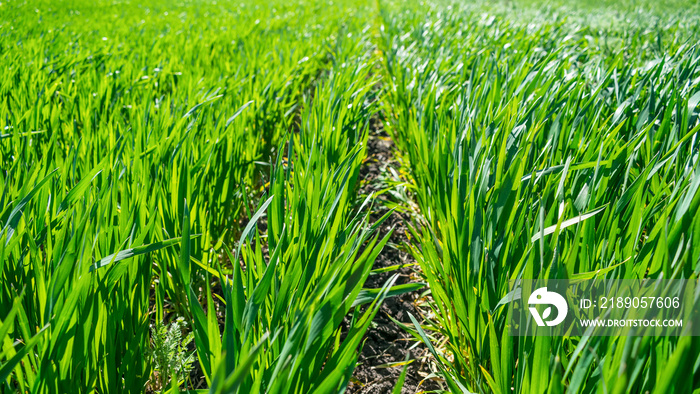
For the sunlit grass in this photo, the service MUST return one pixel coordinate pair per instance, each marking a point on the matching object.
(138, 143)
(198, 162)
(514, 121)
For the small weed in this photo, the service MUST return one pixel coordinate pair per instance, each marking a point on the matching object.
(169, 353)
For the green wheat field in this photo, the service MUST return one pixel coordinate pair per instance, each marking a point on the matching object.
(184, 203)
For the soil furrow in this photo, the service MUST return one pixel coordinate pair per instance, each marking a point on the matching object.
(386, 342)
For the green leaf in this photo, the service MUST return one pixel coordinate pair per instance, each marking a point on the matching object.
(132, 252)
(566, 223)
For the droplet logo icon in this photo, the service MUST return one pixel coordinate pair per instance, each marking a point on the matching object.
(543, 297)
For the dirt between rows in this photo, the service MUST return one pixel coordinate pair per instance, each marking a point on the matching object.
(385, 342)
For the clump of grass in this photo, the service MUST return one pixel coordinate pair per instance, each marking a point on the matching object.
(136, 143)
(515, 120)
